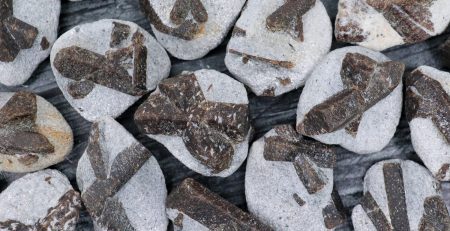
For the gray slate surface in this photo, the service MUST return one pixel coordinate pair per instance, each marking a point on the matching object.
(265, 112)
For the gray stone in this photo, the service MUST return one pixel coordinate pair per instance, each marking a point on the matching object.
(378, 122)
(189, 29)
(400, 195)
(42, 200)
(270, 55)
(28, 30)
(103, 67)
(381, 24)
(121, 183)
(34, 134)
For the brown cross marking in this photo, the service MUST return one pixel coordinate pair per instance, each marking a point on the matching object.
(15, 34)
(18, 131)
(99, 198)
(187, 29)
(88, 68)
(366, 82)
(209, 130)
(289, 17)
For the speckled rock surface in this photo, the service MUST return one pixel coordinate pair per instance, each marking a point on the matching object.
(84, 59)
(272, 59)
(429, 140)
(378, 24)
(202, 119)
(400, 195)
(27, 32)
(34, 133)
(42, 200)
(376, 126)
(121, 183)
(189, 29)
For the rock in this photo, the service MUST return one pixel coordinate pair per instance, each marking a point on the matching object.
(381, 24)
(202, 118)
(353, 99)
(33, 134)
(103, 67)
(43, 200)
(189, 29)
(400, 195)
(428, 112)
(276, 44)
(445, 53)
(122, 185)
(28, 29)
(191, 206)
(289, 182)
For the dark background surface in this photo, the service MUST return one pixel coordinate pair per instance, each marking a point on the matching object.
(265, 112)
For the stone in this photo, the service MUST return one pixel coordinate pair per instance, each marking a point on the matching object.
(104, 67)
(289, 182)
(393, 201)
(444, 50)
(353, 99)
(33, 133)
(276, 44)
(121, 183)
(202, 118)
(43, 200)
(189, 29)
(381, 24)
(427, 108)
(191, 206)
(27, 31)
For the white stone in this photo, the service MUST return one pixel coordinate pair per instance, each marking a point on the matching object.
(221, 16)
(28, 199)
(53, 126)
(143, 197)
(44, 15)
(378, 124)
(259, 41)
(269, 189)
(427, 140)
(378, 32)
(103, 101)
(418, 184)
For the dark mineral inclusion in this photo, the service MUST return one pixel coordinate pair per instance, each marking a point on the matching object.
(209, 130)
(435, 215)
(15, 34)
(197, 202)
(88, 68)
(99, 198)
(18, 131)
(366, 82)
(188, 29)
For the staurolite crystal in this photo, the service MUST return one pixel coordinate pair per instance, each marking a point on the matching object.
(88, 68)
(191, 206)
(15, 34)
(366, 82)
(210, 130)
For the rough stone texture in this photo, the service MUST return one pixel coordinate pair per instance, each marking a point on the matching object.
(202, 118)
(42, 200)
(100, 67)
(393, 199)
(191, 206)
(276, 191)
(273, 54)
(24, 24)
(377, 124)
(122, 185)
(189, 29)
(381, 24)
(427, 108)
(34, 135)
